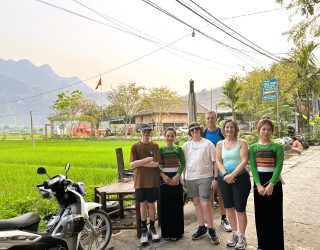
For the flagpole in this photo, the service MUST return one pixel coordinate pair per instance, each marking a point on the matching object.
(101, 101)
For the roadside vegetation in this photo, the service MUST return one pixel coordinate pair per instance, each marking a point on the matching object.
(92, 162)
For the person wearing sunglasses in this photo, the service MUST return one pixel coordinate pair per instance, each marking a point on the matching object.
(200, 156)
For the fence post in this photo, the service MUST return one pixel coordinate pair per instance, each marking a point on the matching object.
(120, 163)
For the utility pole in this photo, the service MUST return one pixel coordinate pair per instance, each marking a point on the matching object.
(211, 99)
(32, 137)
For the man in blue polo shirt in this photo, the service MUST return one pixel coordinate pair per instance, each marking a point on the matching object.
(214, 134)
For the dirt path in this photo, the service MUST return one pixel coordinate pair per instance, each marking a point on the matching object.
(301, 213)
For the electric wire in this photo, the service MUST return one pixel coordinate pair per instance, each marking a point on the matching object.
(115, 21)
(232, 29)
(112, 69)
(123, 29)
(200, 32)
(226, 32)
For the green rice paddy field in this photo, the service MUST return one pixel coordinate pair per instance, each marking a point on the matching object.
(92, 162)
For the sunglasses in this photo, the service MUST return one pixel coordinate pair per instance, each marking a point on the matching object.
(194, 129)
(146, 131)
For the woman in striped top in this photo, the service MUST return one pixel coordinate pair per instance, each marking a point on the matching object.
(266, 161)
(171, 192)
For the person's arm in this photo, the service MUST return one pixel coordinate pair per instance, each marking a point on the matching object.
(146, 162)
(219, 164)
(182, 163)
(212, 152)
(253, 165)
(278, 168)
(151, 164)
(278, 164)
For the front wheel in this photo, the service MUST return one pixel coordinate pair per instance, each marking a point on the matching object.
(98, 240)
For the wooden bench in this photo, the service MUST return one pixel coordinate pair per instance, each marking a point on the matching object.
(121, 192)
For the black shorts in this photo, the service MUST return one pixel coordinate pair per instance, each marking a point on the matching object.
(147, 194)
(236, 194)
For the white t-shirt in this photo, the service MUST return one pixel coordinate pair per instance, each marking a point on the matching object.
(199, 159)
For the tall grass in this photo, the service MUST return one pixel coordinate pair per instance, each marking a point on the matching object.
(92, 162)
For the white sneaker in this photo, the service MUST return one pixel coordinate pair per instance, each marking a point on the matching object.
(144, 237)
(242, 242)
(225, 225)
(233, 240)
(154, 235)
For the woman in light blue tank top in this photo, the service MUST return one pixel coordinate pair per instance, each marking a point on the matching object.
(234, 181)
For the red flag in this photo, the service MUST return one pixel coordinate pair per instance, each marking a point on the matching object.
(99, 83)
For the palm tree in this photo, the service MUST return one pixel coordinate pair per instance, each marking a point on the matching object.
(231, 96)
(307, 76)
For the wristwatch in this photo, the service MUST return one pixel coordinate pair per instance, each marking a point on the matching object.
(225, 174)
(216, 178)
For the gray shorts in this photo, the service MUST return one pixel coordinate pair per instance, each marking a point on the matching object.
(200, 188)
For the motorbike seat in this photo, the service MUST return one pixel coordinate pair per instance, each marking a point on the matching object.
(20, 222)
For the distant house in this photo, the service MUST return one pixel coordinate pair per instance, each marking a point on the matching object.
(175, 117)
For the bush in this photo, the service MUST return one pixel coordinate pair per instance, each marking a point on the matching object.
(15, 207)
(252, 138)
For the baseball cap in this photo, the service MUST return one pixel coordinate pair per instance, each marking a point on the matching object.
(145, 127)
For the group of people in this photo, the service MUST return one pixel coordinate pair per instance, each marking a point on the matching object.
(211, 160)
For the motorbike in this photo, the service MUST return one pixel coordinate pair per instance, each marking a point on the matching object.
(76, 224)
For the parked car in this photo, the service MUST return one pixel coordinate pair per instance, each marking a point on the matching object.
(182, 129)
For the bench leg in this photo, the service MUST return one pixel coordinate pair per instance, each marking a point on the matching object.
(104, 202)
(121, 206)
(138, 218)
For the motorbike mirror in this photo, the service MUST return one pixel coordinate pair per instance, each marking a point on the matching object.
(41, 170)
(67, 167)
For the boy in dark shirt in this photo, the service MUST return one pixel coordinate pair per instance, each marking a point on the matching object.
(144, 158)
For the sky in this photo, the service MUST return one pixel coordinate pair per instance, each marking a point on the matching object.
(76, 46)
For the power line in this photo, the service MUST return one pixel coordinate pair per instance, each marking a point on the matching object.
(198, 30)
(17, 115)
(226, 32)
(231, 29)
(115, 68)
(123, 29)
(250, 14)
(115, 21)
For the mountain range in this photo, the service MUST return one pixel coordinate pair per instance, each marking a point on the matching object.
(20, 80)
(26, 87)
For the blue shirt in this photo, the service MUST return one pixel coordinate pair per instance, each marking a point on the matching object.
(213, 136)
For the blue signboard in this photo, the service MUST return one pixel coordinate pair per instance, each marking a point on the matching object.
(270, 89)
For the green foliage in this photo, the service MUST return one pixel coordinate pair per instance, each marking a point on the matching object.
(231, 96)
(253, 137)
(308, 25)
(92, 162)
(161, 100)
(70, 107)
(126, 100)
(307, 76)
